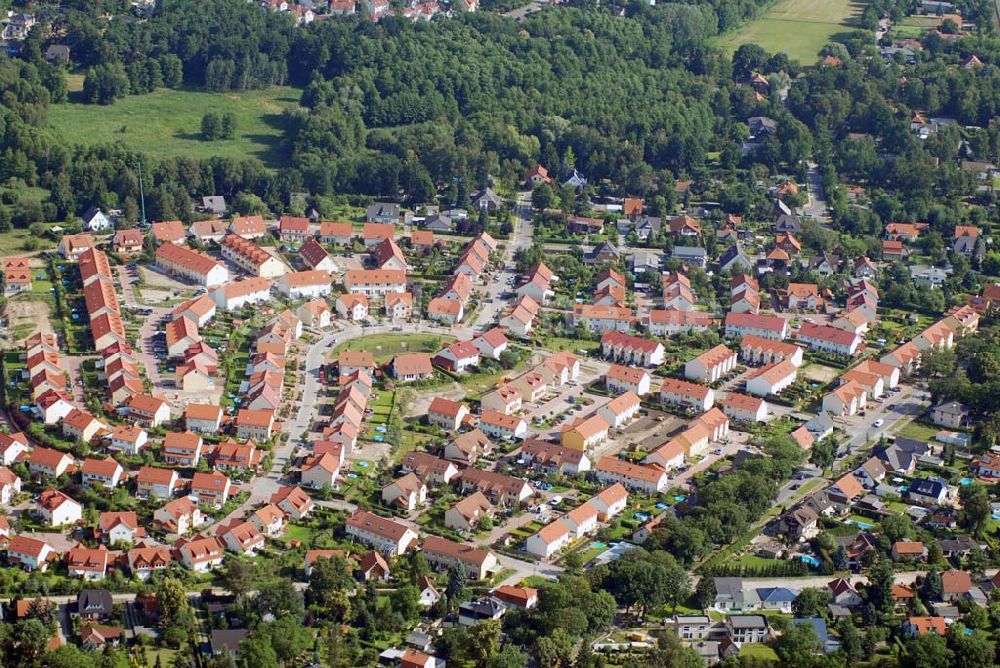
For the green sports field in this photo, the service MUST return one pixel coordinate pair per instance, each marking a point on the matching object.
(800, 28)
(167, 123)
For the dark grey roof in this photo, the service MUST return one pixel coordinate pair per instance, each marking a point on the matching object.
(227, 640)
(94, 601)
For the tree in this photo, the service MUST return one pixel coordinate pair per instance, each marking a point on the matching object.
(211, 126)
(811, 602)
(510, 656)
(280, 598)
(256, 652)
(975, 506)
(28, 641)
(671, 653)
(797, 646)
(228, 126)
(925, 651)
(850, 641)
(483, 642)
(897, 527)
(405, 601)
(239, 575)
(456, 591)
(288, 638)
(704, 592)
(974, 650)
(105, 83)
(931, 588)
(172, 598)
(880, 581)
(555, 650)
(543, 197)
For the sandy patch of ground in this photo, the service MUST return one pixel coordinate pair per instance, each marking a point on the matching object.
(155, 279)
(820, 373)
(422, 399)
(23, 319)
(155, 297)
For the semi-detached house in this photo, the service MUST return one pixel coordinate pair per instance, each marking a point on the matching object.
(191, 265)
(827, 339)
(739, 325)
(757, 350)
(603, 318)
(502, 426)
(152, 482)
(712, 365)
(375, 282)
(636, 477)
(685, 394)
(305, 284)
(235, 295)
(445, 554)
(183, 448)
(251, 258)
(621, 379)
(629, 349)
(586, 432)
(387, 536)
(619, 411)
(501, 490)
(771, 379)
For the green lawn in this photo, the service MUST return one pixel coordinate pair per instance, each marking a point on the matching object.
(299, 533)
(758, 651)
(167, 123)
(919, 431)
(386, 346)
(800, 28)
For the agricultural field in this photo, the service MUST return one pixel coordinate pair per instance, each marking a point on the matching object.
(800, 28)
(167, 123)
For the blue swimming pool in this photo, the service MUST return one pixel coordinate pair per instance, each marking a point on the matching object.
(642, 517)
(965, 481)
(809, 560)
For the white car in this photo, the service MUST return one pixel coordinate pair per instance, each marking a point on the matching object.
(878, 423)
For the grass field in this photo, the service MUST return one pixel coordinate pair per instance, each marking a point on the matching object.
(800, 28)
(167, 123)
(384, 347)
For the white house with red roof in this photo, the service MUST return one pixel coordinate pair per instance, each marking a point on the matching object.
(293, 501)
(30, 553)
(119, 527)
(446, 413)
(501, 426)
(49, 462)
(12, 447)
(685, 394)
(491, 343)
(743, 407)
(147, 410)
(211, 489)
(712, 365)
(270, 519)
(241, 537)
(771, 379)
(633, 350)
(825, 338)
(128, 438)
(105, 472)
(321, 472)
(621, 379)
(87, 562)
(619, 411)
(58, 509)
(10, 485)
(201, 554)
(179, 516)
(458, 356)
(739, 325)
(389, 537)
(182, 448)
(157, 483)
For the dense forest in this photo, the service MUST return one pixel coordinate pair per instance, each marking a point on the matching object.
(434, 110)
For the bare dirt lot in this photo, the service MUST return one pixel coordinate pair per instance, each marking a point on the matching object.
(820, 373)
(155, 279)
(24, 318)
